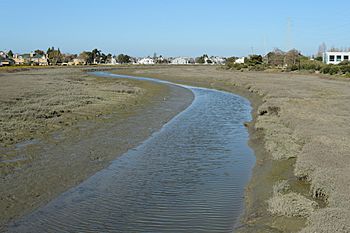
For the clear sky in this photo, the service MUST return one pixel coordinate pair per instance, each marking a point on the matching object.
(174, 27)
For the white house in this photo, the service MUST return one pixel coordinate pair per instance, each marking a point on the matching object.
(146, 61)
(182, 61)
(113, 61)
(335, 57)
(79, 61)
(160, 60)
(240, 60)
(218, 60)
(3, 54)
(207, 60)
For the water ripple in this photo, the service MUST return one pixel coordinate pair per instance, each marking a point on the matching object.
(189, 177)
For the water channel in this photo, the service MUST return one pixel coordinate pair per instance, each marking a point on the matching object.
(188, 177)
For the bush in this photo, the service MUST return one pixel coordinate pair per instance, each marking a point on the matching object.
(319, 59)
(234, 66)
(345, 69)
(254, 60)
(342, 68)
(334, 70)
(347, 75)
(311, 65)
(326, 69)
(293, 67)
(260, 67)
(255, 63)
(344, 63)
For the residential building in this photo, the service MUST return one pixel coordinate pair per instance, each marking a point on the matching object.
(40, 60)
(182, 61)
(240, 60)
(79, 61)
(335, 57)
(31, 59)
(146, 61)
(6, 61)
(133, 60)
(161, 60)
(113, 61)
(217, 60)
(21, 59)
(3, 54)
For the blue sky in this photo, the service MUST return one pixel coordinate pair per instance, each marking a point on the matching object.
(174, 28)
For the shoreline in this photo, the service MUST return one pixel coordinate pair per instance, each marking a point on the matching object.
(255, 141)
(63, 158)
(298, 120)
(286, 192)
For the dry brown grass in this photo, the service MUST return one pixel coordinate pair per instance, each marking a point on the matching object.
(37, 102)
(32, 104)
(289, 204)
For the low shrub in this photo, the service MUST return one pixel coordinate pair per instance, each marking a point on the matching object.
(325, 69)
(235, 66)
(334, 70)
(260, 67)
(255, 63)
(293, 68)
(345, 69)
(311, 65)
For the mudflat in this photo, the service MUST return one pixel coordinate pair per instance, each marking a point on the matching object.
(301, 138)
(59, 126)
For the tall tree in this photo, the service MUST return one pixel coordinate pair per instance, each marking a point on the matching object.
(50, 50)
(334, 49)
(255, 60)
(96, 55)
(87, 56)
(292, 57)
(201, 59)
(276, 57)
(321, 49)
(10, 54)
(123, 58)
(54, 56)
(40, 52)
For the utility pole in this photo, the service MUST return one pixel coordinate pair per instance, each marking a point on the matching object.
(265, 50)
(289, 35)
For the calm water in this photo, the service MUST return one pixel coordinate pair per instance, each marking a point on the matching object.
(188, 177)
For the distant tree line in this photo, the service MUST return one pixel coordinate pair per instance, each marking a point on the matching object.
(289, 61)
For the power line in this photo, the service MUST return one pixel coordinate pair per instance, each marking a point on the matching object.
(289, 43)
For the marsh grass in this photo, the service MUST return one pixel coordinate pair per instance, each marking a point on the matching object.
(36, 104)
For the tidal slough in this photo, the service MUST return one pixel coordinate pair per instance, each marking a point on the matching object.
(188, 177)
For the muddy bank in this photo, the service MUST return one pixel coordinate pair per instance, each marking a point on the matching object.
(300, 135)
(65, 125)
